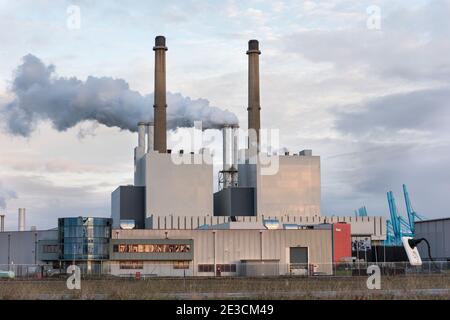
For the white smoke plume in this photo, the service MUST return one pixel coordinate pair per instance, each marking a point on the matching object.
(41, 95)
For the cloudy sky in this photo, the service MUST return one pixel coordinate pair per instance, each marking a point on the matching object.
(364, 84)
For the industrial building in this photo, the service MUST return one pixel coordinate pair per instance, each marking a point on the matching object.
(437, 232)
(171, 222)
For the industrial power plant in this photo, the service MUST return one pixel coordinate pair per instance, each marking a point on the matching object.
(172, 222)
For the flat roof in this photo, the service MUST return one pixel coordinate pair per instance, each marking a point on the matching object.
(433, 220)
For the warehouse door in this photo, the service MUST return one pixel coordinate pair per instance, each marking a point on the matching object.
(298, 257)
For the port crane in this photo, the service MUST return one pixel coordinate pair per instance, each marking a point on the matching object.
(397, 226)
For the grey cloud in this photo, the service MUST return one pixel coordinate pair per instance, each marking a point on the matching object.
(412, 44)
(373, 166)
(41, 95)
(46, 201)
(426, 110)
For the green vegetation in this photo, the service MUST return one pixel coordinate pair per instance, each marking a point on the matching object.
(399, 287)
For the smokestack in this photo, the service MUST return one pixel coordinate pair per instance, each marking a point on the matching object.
(159, 116)
(141, 135)
(150, 135)
(139, 153)
(21, 219)
(2, 223)
(226, 147)
(235, 154)
(235, 144)
(254, 106)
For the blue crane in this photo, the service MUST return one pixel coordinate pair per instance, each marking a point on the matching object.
(397, 226)
(412, 215)
(361, 212)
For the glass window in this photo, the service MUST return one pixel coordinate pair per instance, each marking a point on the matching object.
(181, 265)
(205, 268)
(131, 264)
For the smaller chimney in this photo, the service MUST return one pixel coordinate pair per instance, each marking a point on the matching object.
(235, 145)
(226, 133)
(21, 219)
(150, 136)
(141, 134)
(2, 223)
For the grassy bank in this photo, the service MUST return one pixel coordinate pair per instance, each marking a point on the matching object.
(434, 287)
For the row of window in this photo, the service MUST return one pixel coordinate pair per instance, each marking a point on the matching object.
(151, 248)
(219, 267)
(50, 248)
(127, 265)
(86, 231)
(139, 265)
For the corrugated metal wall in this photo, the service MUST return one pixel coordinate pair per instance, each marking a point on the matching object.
(437, 232)
(232, 246)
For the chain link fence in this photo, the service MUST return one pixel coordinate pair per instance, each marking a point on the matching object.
(143, 269)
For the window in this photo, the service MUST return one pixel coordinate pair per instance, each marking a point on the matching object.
(127, 265)
(181, 265)
(152, 248)
(50, 248)
(205, 268)
(226, 267)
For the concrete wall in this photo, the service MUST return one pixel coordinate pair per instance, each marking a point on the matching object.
(437, 232)
(128, 202)
(293, 190)
(373, 227)
(178, 189)
(234, 202)
(232, 246)
(22, 245)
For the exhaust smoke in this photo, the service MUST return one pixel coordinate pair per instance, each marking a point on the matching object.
(41, 95)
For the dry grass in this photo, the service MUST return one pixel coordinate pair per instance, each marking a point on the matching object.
(399, 287)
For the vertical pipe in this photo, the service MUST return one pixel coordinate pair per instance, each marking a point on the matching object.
(21, 219)
(159, 117)
(141, 135)
(235, 136)
(139, 153)
(2, 223)
(226, 147)
(150, 135)
(254, 106)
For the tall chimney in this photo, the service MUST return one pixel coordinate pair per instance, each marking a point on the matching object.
(254, 106)
(2, 223)
(21, 219)
(159, 118)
